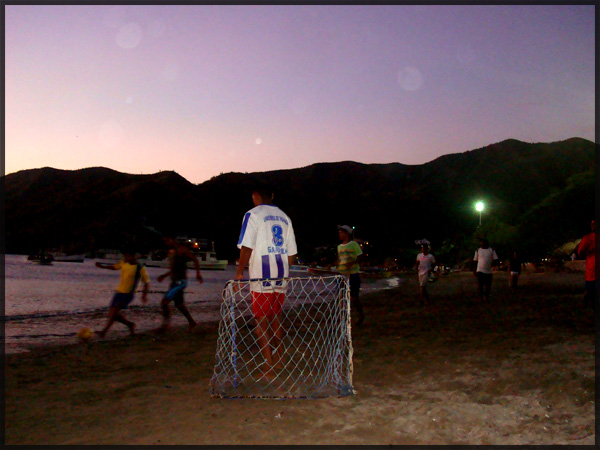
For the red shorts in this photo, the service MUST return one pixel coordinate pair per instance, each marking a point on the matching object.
(267, 304)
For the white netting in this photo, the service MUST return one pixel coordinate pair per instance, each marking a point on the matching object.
(314, 358)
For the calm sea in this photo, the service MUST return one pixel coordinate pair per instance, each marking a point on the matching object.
(49, 304)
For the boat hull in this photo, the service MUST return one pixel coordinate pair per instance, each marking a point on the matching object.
(69, 258)
(204, 265)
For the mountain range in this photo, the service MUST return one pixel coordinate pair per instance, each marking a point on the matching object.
(537, 196)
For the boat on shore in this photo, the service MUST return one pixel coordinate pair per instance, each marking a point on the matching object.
(43, 259)
(207, 258)
(322, 271)
(61, 257)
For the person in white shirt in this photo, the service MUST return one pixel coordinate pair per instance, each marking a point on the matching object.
(486, 258)
(267, 242)
(425, 264)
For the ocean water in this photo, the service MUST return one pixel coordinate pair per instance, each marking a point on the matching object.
(50, 304)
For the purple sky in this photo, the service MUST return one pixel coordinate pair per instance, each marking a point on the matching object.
(203, 90)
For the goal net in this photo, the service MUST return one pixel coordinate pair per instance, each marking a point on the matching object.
(311, 355)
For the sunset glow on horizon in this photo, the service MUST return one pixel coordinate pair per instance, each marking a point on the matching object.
(210, 89)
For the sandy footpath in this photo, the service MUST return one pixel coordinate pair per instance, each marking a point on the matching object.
(517, 371)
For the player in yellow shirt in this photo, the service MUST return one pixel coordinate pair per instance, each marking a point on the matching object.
(131, 273)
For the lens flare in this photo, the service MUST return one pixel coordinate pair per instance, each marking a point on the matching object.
(410, 79)
(129, 36)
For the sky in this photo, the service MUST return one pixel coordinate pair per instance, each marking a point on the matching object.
(210, 89)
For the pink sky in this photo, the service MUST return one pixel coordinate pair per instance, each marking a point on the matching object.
(203, 90)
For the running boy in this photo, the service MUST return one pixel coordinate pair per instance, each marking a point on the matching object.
(178, 256)
(131, 273)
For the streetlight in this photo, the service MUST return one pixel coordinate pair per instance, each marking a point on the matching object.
(479, 207)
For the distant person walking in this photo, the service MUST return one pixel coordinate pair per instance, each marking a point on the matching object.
(268, 244)
(131, 273)
(486, 258)
(425, 264)
(348, 264)
(514, 266)
(587, 249)
(178, 256)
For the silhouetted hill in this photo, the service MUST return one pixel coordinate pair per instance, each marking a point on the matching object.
(390, 205)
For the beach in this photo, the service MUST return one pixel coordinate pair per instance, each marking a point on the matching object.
(516, 371)
(48, 305)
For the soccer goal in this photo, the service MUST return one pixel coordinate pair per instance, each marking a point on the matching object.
(312, 353)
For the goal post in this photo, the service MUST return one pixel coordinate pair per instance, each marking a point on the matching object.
(312, 351)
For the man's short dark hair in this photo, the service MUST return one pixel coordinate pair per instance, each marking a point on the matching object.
(263, 189)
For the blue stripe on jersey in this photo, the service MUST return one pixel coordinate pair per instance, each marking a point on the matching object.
(244, 226)
(266, 266)
(280, 270)
(266, 269)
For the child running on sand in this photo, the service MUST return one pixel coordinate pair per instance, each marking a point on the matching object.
(131, 273)
(178, 256)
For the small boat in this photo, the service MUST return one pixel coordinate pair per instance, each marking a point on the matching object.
(61, 257)
(323, 271)
(43, 259)
(109, 256)
(207, 259)
(46, 260)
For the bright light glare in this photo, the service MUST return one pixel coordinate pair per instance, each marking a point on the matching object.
(479, 206)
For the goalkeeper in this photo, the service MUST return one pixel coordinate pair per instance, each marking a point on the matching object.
(268, 243)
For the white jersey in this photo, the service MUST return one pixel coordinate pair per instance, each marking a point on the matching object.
(268, 231)
(484, 258)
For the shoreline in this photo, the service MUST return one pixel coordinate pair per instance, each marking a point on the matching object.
(41, 323)
(518, 371)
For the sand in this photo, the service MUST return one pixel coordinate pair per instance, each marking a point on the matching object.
(519, 370)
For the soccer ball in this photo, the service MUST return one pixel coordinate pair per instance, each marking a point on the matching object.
(85, 334)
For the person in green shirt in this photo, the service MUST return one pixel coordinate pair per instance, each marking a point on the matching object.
(348, 264)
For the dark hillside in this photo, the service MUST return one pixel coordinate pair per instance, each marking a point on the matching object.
(390, 205)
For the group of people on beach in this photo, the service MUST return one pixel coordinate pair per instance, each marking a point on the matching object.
(267, 246)
(485, 259)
